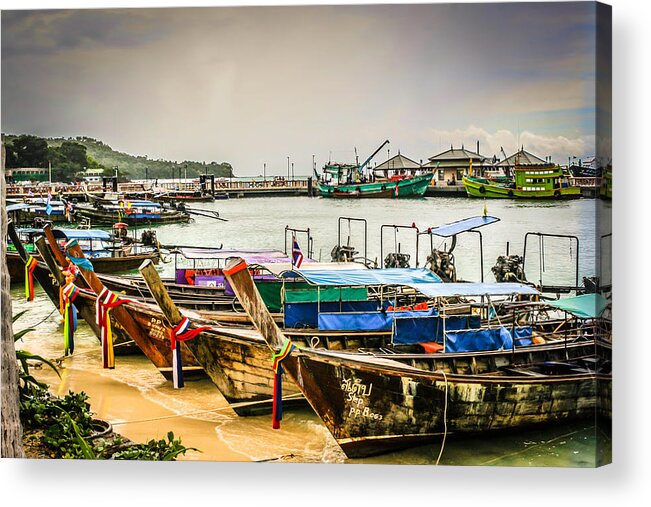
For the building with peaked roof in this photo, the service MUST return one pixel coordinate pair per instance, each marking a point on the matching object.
(452, 165)
(398, 164)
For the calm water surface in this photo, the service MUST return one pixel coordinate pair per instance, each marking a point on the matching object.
(142, 405)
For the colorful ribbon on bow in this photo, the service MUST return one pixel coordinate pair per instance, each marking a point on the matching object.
(277, 358)
(30, 266)
(68, 294)
(181, 333)
(105, 302)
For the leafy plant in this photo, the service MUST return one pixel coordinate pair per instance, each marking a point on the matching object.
(27, 382)
(155, 450)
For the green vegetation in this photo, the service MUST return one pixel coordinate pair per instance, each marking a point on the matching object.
(56, 427)
(73, 155)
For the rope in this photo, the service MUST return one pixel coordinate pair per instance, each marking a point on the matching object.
(445, 418)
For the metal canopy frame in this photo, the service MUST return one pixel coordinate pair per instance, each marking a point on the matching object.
(348, 221)
(308, 235)
(395, 229)
(541, 241)
(431, 235)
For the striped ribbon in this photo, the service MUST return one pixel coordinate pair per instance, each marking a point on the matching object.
(105, 302)
(181, 333)
(30, 266)
(277, 358)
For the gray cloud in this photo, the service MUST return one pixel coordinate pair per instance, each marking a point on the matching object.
(253, 85)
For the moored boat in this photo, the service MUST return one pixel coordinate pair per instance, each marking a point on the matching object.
(136, 212)
(528, 182)
(108, 254)
(354, 181)
(373, 404)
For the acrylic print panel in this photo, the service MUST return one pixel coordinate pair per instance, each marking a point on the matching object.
(332, 234)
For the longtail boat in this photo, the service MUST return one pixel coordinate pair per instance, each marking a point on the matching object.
(373, 404)
(237, 360)
(147, 333)
(132, 212)
(352, 181)
(108, 253)
(34, 210)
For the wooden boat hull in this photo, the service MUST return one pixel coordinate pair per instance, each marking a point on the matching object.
(475, 188)
(372, 407)
(109, 218)
(238, 360)
(407, 188)
(372, 404)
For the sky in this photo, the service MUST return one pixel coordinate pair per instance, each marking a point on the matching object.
(255, 85)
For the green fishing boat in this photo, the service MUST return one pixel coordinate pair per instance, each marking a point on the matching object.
(353, 181)
(528, 182)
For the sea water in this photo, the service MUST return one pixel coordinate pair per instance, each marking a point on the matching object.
(142, 405)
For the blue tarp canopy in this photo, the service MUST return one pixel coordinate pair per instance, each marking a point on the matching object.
(360, 277)
(473, 289)
(18, 207)
(587, 306)
(467, 224)
(70, 233)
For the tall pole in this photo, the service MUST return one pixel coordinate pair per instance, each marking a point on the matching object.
(287, 167)
(292, 171)
(264, 174)
(49, 171)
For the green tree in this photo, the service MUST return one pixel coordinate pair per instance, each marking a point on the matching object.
(30, 151)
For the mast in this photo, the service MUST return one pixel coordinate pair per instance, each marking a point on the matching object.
(361, 167)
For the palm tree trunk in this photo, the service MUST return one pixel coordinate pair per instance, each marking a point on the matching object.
(11, 445)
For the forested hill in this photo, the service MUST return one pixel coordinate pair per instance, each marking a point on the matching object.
(130, 166)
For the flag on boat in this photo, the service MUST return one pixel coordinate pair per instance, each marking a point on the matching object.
(297, 255)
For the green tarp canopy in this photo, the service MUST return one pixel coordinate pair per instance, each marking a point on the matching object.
(325, 294)
(587, 306)
(302, 292)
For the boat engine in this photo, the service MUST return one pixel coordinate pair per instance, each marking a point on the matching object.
(148, 238)
(396, 260)
(343, 253)
(441, 263)
(509, 269)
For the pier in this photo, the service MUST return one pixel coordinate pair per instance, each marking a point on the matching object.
(227, 189)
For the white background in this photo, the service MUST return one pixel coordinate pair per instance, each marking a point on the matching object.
(625, 482)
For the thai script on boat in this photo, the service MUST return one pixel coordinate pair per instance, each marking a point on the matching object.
(357, 396)
(157, 329)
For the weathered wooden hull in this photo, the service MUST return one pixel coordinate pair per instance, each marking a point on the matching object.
(100, 264)
(371, 406)
(109, 218)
